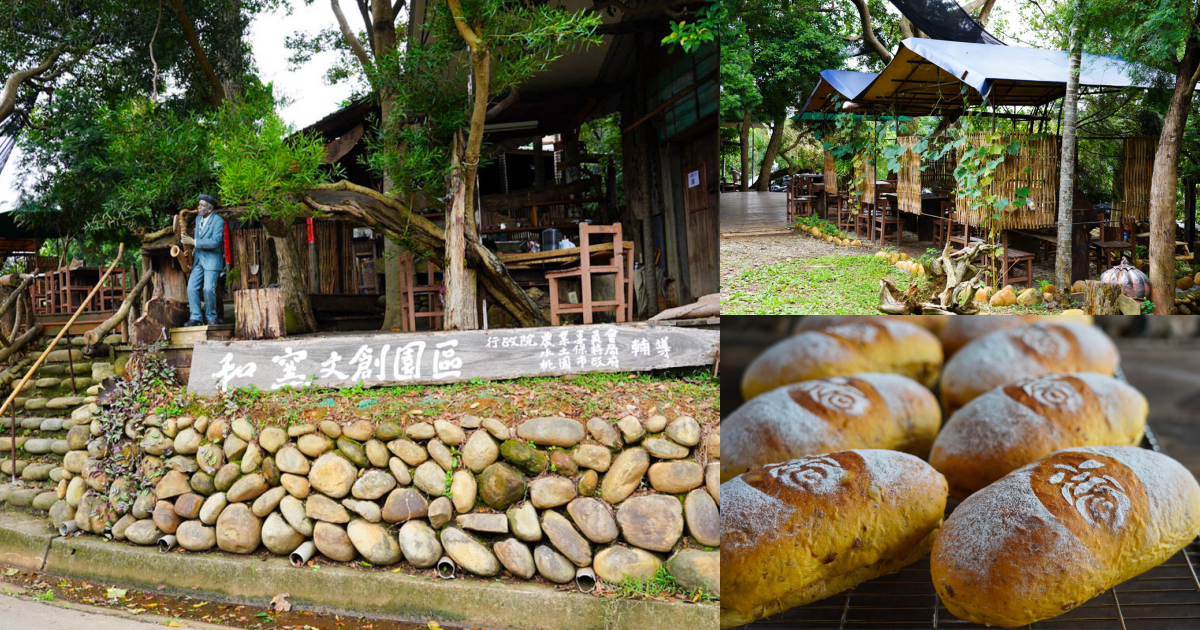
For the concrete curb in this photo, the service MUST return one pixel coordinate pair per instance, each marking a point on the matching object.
(217, 576)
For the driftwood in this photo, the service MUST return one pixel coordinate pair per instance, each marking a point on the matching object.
(395, 219)
(154, 236)
(15, 295)
(707, 306)
(955, 271)
(93, 336)
(260, 314)
(161, 314)
(1101, 298)
(20, 341)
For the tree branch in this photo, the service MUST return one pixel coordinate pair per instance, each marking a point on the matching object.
(193, 40)
(513, 96)
(473, 40)
(985, 11)
(349, 36)
(864, 14)
(8, 98)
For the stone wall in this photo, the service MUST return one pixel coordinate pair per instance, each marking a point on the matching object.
(542, 498)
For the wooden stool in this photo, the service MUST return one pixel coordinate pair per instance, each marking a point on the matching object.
(885, 217)
(619, 265)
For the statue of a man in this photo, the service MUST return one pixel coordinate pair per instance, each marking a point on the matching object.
(208, 262)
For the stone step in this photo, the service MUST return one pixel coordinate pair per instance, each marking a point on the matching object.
(27, 496)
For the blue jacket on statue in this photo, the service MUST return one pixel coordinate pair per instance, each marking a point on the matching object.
(207, 263)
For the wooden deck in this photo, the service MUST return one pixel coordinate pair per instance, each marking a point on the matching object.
(748, 213)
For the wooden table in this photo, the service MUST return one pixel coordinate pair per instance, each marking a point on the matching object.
(924, 229)
(1048, 244)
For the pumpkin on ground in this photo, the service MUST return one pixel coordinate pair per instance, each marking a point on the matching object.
(1133, 282)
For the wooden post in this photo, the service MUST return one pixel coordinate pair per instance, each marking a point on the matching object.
(1101, 298)
(260, 314)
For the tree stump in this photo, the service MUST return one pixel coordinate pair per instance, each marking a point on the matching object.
(1101, 298)
(260, 314)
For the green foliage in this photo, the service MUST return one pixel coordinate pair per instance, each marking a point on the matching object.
(831, 285)
(662, 584)
(263, 164)
(691, 35)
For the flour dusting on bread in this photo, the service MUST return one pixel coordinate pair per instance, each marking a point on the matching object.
(835, 393)
(1052, 391)
(891, 468)
(817, 474)
(750, 517)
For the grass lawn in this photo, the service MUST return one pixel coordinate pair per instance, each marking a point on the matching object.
(845, 285)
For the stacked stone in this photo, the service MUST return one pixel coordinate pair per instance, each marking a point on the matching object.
(547, 497)
(49, 392)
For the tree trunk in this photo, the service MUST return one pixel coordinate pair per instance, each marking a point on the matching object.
(300, 318)
(459, 300)
(193, 40)
(383, 41)
(745, 140)
(768, 163)
(1066, 178)
(1163, 180)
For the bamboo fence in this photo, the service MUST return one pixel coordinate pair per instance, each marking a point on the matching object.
(830, 174)
(865, 191)
(937, 175)
(1041, 157)
(1139, 166)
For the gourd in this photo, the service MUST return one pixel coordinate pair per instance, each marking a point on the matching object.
(1133, 282)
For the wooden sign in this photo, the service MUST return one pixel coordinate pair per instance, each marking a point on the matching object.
(345, 360)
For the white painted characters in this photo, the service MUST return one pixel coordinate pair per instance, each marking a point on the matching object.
(817, 474)
(837, 394)
(1099, 499)
(1052, 391)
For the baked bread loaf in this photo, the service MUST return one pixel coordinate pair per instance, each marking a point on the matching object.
(1062, 530)
(870, 346)
(933, 323)
(1033, 350)
(1026, 420)
(830, 414)
(800, 531)
(960, 331)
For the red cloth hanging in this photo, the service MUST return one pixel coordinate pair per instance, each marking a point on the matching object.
(228, 257)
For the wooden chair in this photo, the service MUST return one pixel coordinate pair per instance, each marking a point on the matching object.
(941, 224)
(1108, 245)
(863, 216)
(1009, 263)
(617, 263)
(960, 233)
(843, 211)
(887, 216)
(423, 285)
(800, 198)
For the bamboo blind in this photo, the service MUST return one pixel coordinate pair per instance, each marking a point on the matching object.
(908, 180)
(830, 174)
(1139, 165)
(866, 190)
(1041, 157)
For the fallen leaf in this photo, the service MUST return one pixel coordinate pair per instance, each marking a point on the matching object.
(116, 593)
(11, 572)
(433, 625)
(279, 603)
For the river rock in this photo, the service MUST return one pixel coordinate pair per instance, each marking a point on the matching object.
(268, 501)
(488, 523)
(524, 457)
(694, 569)
(369, 510)
(713, 443)
(188, 505)
(210, 457)
(293, 511)
(269, 471)
(440, 454)
(73, 461)
(142, 532)
(388, 431)
(552, 565)
(420, 431)
(624, 476)
(185, 465)
(75, 490)
(173, 484)
(676, 477)
(251, 459)
(243, 429)
(587, 484)
(551, 431)
(296, 485)
(372, 485)
(216, 430)
(480, 451)
(562, 463)
(419, 544)
(332, 475)
(377, 453)
(143, 504)
(400, 471)
(226, 476)
(430, 478)
(187, 442)
(247, 488)
(278, 537)
(712, 481)
(468, 553)
(614, 564)
(195, 536)
(463, 491)
(550, 492)
(297, 430)
(523, 522)
(441, 510)
(663, 448)
(322, 508)
(498, 429)
(37, 446)
(78, 436)
(359, 430)
(653, 522)
(404, 504)
(703, 518)
(330, 428)
(566, 539)
(684, 430)
(212, 507)
(314, 445)
(409, 451)
(290, 460)
(593, 519)
(333, 542)
(60, 513)
(38, 471)
(501, 486)
(44, 500)
(593, 456)
(631, 429)
(604, 433)
(515, 557)
(373, 542)
(238, 529)
(353, 451)
(272, 439)
(449, 433)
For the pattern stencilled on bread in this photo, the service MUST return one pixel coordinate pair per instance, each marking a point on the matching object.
(1048, 341)
(1097, 497)
(817, 474)
(840, 394)
(857, 332)
(1055, 391)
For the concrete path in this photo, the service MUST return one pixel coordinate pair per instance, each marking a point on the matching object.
(23, 614)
